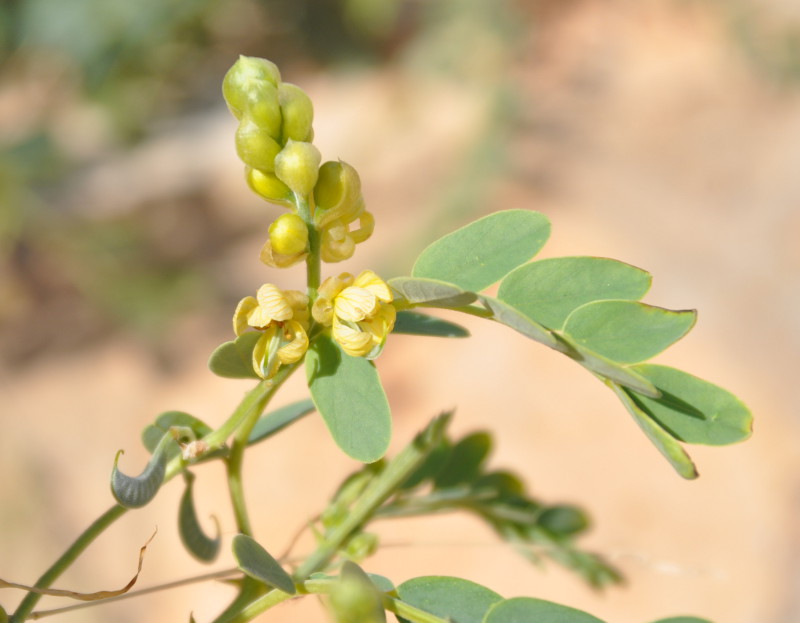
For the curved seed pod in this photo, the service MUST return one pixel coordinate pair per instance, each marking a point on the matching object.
(193, 538)
(137, 491)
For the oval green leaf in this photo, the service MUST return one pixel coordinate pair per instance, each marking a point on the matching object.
(694, 410)
(196, 542)
(481, 253)
(528, 610)
(661, 439)
(430, 292)
(348, 394)
(549, 290)
(414, 323)
(465, 460)
(256, 562)
(627, 331)
(563, 520)
(279, 419)
(137, 491)
(447, 597)
(234, 360)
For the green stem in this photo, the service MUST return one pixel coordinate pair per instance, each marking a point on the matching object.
(240, 442)
(379, 490)
(313, 260)
(67, 558)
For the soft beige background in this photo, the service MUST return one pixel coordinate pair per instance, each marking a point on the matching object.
(645, 136)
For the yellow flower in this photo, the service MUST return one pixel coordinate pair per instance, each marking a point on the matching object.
(358, 310)
(282, 316)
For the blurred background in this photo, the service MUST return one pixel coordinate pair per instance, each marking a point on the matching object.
(663, 133)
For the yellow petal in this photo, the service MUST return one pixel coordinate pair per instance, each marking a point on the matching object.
(298, 346)
(354, 304)
(374, 284)
(353, 342)
(272, 304)
(243, 309)
(366, 227)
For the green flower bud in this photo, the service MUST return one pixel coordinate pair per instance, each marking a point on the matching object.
(355, 599)
(268, 186)
(263, 109)
(336, 193)
(288, 234)
(297, 166)
(243, 77)
(255, 146)
(298, 113)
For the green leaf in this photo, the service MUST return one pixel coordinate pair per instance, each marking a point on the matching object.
(430, 292)
(137, 491)
(627, 331)
(234, 360)
(153, 433)
(279, 419)
(431, 466)
(256, 562)
(549, 290)
(355, 598)
(694, 410)
(563, 520)
(528, 610)
(606, 368)
(348, 394)
(465, 460)
(414, 323)
(517, 320)
(661, 439)
(683, 620)
(480, 254)
(192, 536)
(447, 597)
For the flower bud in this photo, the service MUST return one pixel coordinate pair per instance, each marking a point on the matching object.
(297, 111)
(288, 234)
(268, 186)
(263, 109)
(243, 77)
(255, 147)
(297, 166)
(336, 193)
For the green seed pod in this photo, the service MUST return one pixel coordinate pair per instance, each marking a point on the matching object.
(288, 234)
(243, 77)
(255, 146)
(297, 166)
(298, 113)
(268, 186)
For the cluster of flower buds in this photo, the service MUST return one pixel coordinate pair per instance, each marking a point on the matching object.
(283, 166)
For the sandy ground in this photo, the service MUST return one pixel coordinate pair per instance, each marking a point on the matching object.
(644, 137)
